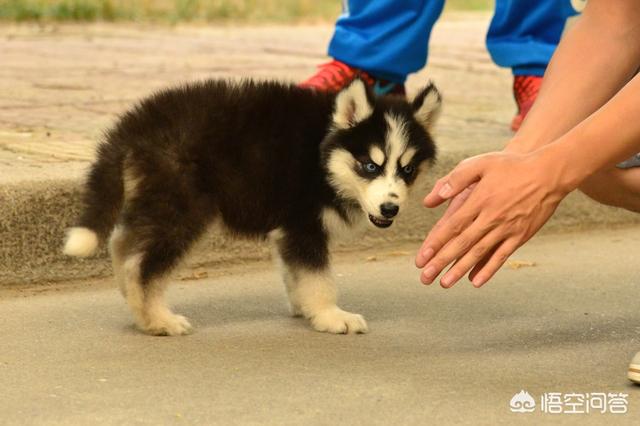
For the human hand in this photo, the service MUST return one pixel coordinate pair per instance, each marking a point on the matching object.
(454, 205)
(515, 195)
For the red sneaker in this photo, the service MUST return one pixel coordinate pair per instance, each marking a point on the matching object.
(525, 91)
(335, 75)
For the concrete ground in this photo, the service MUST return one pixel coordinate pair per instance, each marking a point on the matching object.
(61, 86)
(568, 322)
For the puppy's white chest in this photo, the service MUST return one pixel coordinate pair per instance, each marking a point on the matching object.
(337, 227)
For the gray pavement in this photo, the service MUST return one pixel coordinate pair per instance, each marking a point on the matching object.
(61, 85)
(568, 322)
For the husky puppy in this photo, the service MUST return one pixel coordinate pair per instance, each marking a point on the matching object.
(265, 159)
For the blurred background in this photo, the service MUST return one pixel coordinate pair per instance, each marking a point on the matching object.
(179, 11)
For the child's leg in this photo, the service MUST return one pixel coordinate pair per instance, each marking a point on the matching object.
(386, 38)
(524, 34)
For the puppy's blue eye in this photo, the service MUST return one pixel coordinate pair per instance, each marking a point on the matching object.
(408, 169)
(371, 167)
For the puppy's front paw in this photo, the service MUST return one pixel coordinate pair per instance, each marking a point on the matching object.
(335, 320)
(168, 324)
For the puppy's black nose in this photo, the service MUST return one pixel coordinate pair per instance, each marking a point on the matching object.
(389, 210)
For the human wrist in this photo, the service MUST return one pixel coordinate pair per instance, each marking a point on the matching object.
(560, 162)
(517, 146)
(523, 144)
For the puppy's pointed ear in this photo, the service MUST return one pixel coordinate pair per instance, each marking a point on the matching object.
(352, 105)
(427, 105)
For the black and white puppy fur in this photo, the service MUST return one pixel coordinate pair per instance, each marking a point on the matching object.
(266, 159)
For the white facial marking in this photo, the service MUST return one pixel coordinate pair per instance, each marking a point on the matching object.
(396, 142)
(389, 185)
(350, 185)
(342, 175)
(376, 155)
(380, 189)
(407, 156)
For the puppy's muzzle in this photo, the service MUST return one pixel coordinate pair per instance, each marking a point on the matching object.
(389, 210)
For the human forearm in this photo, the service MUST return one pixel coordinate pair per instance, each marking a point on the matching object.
(595, 58)
(516, 193)
(576, 128)
(606, 137)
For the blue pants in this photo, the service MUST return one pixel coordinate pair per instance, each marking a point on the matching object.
(390, 38)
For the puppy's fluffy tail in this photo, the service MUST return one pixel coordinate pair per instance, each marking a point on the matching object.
(102, 201)
(81, 242)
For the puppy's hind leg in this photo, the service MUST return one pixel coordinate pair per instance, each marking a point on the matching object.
(145, 297)
(310, 287)
(117, 250)
(154, 238)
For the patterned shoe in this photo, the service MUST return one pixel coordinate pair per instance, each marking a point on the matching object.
(335, 75)
(525, 91)
(634, 369)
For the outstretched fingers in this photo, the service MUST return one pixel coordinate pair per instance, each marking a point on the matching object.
(463, 175)
(475, 237)
(486, 269)
(483, 249)
(423, 255)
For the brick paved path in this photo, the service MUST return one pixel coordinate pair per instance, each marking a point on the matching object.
(61, 86)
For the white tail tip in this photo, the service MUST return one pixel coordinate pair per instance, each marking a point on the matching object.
(81, 242)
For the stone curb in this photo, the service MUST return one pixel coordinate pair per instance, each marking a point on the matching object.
(34, 216)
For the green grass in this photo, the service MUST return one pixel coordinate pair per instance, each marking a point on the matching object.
(174, 11)
(469, 4)
(64, 10)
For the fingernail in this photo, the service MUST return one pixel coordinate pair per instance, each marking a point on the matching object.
(477, 281)
(445, 191)
(429, 273)
(427, 254)
(447, 280)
